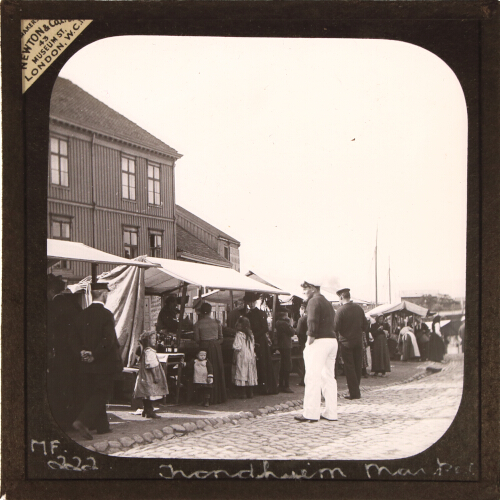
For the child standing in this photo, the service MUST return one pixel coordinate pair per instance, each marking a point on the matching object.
(285, 333)
(203, 378)
(244, 370)
(151, 383)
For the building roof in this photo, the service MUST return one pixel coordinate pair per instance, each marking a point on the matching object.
(73, 105)
(212, 229)
(191, 248)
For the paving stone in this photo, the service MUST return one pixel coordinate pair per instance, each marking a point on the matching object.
(91, 448)
(201, 424)
(226, 420)
(148, 437)
(178, 428)
(382, 425)
(157, 433)
(263, 411)
(236, 416)
(114, 444)
(138, 439)
(167, 430)
(126, 441)
(111, 450)
(209, 428)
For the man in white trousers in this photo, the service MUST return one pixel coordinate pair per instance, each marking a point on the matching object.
(320, 353)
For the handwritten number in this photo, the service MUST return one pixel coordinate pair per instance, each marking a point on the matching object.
(63, 465)
(79, 460)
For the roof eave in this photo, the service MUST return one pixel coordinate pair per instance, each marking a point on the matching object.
(171, 154)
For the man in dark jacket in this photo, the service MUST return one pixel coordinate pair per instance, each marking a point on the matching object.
(350, 325)
(319, 357)
(97, 346)
(285, 333)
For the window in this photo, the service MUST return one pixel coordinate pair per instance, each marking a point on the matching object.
(59, 162)
(60, 229)
(154, 184)
(128, 178)
(155, 238)
(130, 242)
(226, 253)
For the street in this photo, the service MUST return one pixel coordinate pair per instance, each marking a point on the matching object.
(389, 422)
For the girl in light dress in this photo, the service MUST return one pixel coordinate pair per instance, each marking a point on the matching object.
(244, 370)
(151, 383)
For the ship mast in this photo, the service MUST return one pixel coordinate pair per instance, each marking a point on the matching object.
(390, 296)
(376, 283)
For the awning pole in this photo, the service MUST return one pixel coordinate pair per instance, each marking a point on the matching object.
(181, 315)
(94, 272)
(232, 299)
(275, 300)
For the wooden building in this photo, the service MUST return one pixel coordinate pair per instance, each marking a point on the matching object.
(111, 185)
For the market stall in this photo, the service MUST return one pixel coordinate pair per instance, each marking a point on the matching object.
(400, 315)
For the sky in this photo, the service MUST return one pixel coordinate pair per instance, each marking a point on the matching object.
(307, 151)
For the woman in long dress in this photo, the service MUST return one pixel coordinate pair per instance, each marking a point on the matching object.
(244, 370)
(436, 343)
(258, 323)
(208, 334)
(381, 361)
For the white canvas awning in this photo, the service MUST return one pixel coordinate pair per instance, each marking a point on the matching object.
(297, 291)
(399, 306)
(72, 250)
(172, 274)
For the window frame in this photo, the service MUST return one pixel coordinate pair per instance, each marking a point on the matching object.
(131, 230)
(155, 181)
(59, 156)
(129, 175)
(64, 265)
(151, 250)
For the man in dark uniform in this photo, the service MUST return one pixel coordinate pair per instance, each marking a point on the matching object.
(350, 325)
(97, 346)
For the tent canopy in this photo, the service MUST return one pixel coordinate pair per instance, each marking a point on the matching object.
(72, 250)
(399, 306)
(172, 274)
(297, 291)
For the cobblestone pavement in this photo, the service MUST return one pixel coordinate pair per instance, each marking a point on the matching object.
(386, 421)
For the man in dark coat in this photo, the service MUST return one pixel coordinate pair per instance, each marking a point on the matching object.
(96, 344)
(350, 325)
(62, 376)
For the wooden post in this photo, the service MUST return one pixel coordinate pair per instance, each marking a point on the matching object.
(275, 301)
(181, 315)
(94, 272)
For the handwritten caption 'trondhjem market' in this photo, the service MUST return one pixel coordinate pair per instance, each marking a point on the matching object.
(43, 40)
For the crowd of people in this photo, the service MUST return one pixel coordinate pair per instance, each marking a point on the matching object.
(84, 354)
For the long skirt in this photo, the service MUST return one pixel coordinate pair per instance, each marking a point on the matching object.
(214, 355)
(381, 360)
(265, 371)
(365, 364)
(436, 348)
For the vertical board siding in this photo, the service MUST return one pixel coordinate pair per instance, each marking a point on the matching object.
(79, 168)
(112, 212)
